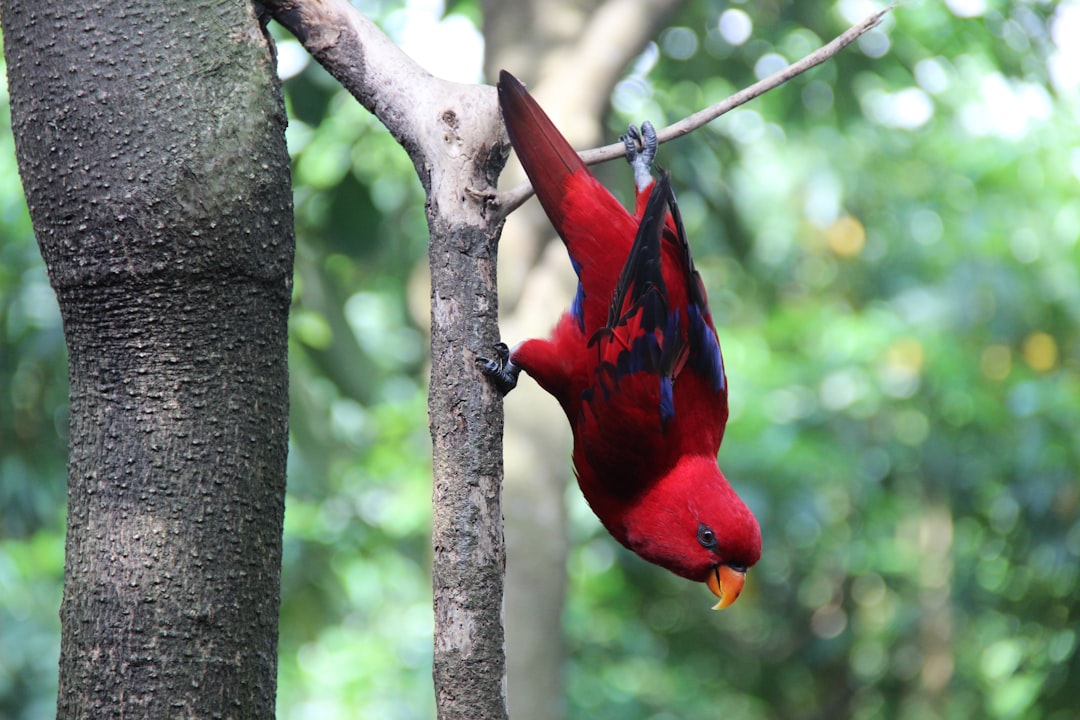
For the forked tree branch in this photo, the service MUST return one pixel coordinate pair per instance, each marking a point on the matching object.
(510, 200)
(448, 129)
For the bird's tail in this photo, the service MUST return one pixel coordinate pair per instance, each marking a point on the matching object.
(547, 157)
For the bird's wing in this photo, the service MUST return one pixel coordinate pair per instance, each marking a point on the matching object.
(658, 389)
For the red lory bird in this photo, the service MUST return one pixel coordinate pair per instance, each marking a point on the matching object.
(635, 362)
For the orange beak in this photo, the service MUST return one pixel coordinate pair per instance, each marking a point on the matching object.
(726, 583)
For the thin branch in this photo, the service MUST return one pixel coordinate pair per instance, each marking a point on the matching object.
(512, 199)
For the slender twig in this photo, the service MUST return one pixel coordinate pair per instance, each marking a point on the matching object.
(512, 199)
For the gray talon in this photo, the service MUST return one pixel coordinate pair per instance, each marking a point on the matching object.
(641, 152)
(632, 140)
(503, 372)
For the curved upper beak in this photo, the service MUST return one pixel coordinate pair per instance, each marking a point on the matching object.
(726, 583)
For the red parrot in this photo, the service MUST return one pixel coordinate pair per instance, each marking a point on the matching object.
(635, 362)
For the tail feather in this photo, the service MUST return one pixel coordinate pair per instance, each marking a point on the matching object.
(547, 157)
(595, 227)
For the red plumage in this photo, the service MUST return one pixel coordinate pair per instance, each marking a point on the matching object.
(635, 364)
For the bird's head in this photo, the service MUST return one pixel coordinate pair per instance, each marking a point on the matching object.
(692, 523)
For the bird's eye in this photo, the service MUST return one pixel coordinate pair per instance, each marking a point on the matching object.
(706, 537)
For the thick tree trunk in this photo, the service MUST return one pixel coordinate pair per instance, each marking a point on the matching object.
(151, 147)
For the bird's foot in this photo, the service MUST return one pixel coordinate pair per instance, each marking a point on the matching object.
(502, 371)
(641, 152)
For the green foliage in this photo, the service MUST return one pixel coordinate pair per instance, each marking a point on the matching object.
(356, 618)
(890, 247)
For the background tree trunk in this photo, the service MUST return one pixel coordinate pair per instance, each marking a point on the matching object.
(571, 73)
(151, 147)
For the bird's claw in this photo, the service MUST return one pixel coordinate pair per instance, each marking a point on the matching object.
(639, 141)
(502, 371)
(641, 148)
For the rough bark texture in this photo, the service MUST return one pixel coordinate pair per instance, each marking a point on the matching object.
(151, 147)
(463, 152)
(466, 428)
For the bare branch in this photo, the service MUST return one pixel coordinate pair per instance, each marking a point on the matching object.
(512, 199)
(454, 136)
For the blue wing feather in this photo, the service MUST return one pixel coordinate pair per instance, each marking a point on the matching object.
(577, 308)
(640, 320)
(644, 334)
(705, 355)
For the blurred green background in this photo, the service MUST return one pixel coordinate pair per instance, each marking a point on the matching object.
(890, 244)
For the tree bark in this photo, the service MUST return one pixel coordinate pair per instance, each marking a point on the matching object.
(466, 430)
(150, 141)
